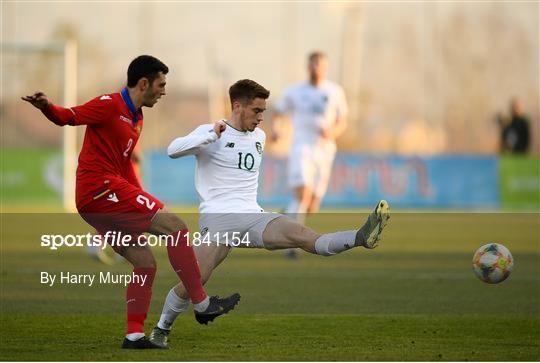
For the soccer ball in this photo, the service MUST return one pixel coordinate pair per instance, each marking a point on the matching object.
(492, 263)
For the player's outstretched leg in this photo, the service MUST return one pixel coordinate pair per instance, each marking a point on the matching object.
(282, 232)
(369, 235)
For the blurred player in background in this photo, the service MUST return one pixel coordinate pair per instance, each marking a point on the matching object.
(229, 155)
(319, 112)
(110, 198)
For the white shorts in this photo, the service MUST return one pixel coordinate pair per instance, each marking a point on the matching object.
(244, 230)
(311, 166)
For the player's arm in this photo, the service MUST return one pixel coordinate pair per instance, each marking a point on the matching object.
(340, 123)
(59, 115)
(93, 112)
(341, 117)
(337, 130)
(195, 141)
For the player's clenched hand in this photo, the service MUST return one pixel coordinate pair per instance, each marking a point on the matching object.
(38, 99)
(219, 127)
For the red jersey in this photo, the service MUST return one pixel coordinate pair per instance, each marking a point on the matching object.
(113, 129)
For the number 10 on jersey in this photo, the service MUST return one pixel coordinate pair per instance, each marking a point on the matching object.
(246, 162)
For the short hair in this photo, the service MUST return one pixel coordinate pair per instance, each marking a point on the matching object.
(144, 66)
(246, 90)
(316, 55)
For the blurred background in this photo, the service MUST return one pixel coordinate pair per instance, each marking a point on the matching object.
(429, 87)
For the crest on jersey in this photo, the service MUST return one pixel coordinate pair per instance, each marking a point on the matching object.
(204, 231)
(258, 146)
(138, 128)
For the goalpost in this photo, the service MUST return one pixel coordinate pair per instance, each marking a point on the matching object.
(68, 51)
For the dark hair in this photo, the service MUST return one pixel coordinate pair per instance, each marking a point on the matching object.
(144, 66)
(316, 56)
(246, 90)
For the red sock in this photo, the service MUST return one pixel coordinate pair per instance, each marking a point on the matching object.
(138, 299)
(185, 264)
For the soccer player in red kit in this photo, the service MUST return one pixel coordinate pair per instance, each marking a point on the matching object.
(110, 198)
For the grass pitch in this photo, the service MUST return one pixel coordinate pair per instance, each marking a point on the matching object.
(413, 298)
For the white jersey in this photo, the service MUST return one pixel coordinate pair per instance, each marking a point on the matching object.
(313, 108)
(227, 172)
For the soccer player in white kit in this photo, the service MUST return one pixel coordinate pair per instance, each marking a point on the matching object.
(229, 154)
(319, 110)
(319, 115)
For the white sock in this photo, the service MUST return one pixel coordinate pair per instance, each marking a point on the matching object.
(331, 243)
(202, 306)
(134, 336)
(172, 307)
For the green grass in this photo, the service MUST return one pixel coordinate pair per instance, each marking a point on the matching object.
(273, 337)
(414, 298)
